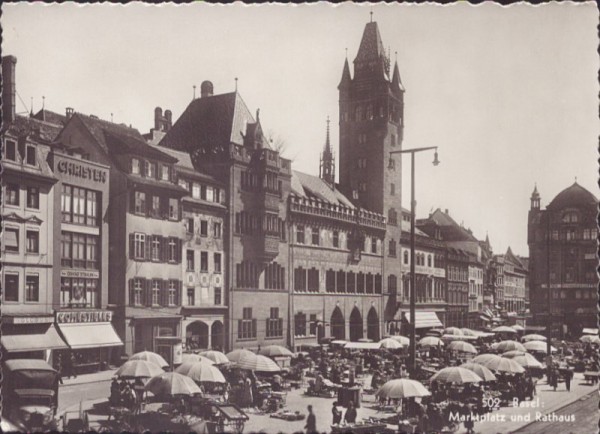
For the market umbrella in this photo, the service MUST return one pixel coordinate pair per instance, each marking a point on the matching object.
(456, 374)
(216, 356)
(138, 369)
(469, 332)
(538, 346)
(235, 355)
(590, 339)
(482, 371)
(504, 329)
(365, 340)
(505, 346)
(430, 341)
(201, 372)
(402, 388)
(484, 358)
(453, 331)
(526, 360)
(390, 344)
(459, 338)
(517, 327)
(402, 339)
(502, 364)
(339, 342)
(150, 356)
(186, 358)
(275, 351)
(533, 337)
(258, 363)
(171, 384)
(462, 347)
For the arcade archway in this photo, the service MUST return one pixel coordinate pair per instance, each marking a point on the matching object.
(373, 325)
(216, 336)
(356, 325)
(196, 335)
(338, 324)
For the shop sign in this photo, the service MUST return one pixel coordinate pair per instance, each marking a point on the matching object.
(569, 285)
(177, 353)
(76, 316)
(27, 319)
(82, 171)
(84, 274)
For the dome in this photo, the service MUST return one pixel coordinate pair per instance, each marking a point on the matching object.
(574, 196)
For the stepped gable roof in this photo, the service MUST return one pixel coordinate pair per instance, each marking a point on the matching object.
(210, 121)
(311, 186)
(371, 46)
(573, 196)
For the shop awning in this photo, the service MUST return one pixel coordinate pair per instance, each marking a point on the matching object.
(34, 342)
(90, 335)
(363, 345)
(425, 319)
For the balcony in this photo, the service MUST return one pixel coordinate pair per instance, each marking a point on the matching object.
(269, 248)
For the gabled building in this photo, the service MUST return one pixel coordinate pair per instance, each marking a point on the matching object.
(562, 242)
(226, 142)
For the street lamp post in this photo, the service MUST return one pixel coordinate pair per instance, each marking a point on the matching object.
(413, 276)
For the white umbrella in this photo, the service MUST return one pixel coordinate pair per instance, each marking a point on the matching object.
(216, 356)
(402, 339)
(538, 346)
(186, 358)
(138, 369)
(526, 360)
(402, 388)
(533, 337)
(235, 355)
(505, 346)
(150, 356)
(504, 329)
(482, 371)
(453, 331)
(462, 347)
(590, 339)
(171, 384)
(501, 364)
(469, 332)
(201, 372)
(456, 374)
(430, 341)
(258, 363)
(517, 327)
(275, 351)
(390, 344)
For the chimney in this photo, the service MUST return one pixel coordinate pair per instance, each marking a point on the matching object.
(157, 118)
(69, 112)
(206, 89)
(9, 89)
(168, 119)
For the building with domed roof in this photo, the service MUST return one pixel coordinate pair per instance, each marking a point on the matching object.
(562, 264)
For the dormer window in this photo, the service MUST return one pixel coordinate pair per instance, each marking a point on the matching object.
(570, 217)
(30, 156)
(150, 169)
(135, 166)
(10, 150)
(165, 173)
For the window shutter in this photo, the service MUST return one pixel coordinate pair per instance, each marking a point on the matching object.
(148, 252)
(253, 327)
(164, 292)
(180, 294)
(132, 202)
(239, 336)
(178, 253)
(131, 293)
(131, 246)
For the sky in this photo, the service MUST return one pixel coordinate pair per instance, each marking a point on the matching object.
(508, 94)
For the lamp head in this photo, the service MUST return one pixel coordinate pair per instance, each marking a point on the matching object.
(436, 161)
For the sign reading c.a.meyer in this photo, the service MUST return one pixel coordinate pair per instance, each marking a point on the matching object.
(83, 316)
(84, 274)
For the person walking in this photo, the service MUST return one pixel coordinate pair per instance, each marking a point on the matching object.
(311, 421)
(336, 413)
(71, 365)
(350, 416)
(59, 368)
(568, 374)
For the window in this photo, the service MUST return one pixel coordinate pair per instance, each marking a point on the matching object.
(165, 175)
(78, 250)
(336, 239)
(204, 262)
(392, 284)
(196, 190)
(135, 166)
(172, 293)
(10, 150)
(137, 292)
(30, 156)
(11, 287)
(155, 292)
(173, 209)
(11, 240)
(373, 245)
(313, 324)
(190, 260)
(155, 207)
(362, 163)
(340, 281)
(313, 280)
(369, 112)
(11, 194)
(203, 228)
(217, 229)
(140, 246)
(32, 288)
(406, 256)
(66, 249)
(172, 255)
(33, 197)
(315, 236)
(150, 169)
(350, 282)
(330, 281)
(247, 325)
(33, 242)
(358, 113)
(274, 324)
(360, 283)
(217, 195)
(91, 212)
(140, 202)
(300, 324)
(300, 279)
(203, 192)
(218, 300)
(300, 234)
(217, 260)
(190, 296)
(155, 248)
(392, 248)
(393, 140)
(392, 217)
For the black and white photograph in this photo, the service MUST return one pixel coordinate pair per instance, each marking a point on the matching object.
(300, 218)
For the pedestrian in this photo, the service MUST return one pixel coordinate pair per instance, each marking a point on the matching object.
(336, 413)
(59, 368)
(568, 380)
(311, 421)
(71, 365)
(350, 416)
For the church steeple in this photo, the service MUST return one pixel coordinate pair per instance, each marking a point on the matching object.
(346, 78)
(535, 198)
(371, 60)
(327, 163)
(396, 80)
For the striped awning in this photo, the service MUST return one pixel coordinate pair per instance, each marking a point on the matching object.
(425, 319)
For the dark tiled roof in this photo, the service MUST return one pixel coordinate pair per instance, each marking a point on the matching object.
(119, 143)
(311, 186)
(36, 130)
(211, 121)
(155, 183)
(451, 231)
(371, 46)
(51, 117)
(97, 127)
(573, 196)
(184, 164)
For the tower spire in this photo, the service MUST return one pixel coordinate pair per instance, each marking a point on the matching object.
(327, 163)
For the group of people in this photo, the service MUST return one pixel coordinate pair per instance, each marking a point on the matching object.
(65, 365)
(126, 394)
